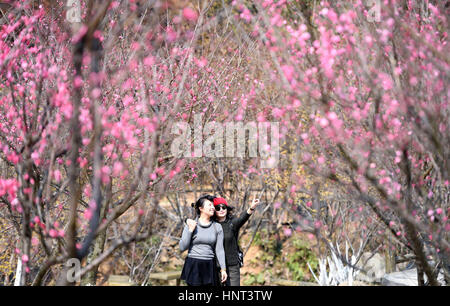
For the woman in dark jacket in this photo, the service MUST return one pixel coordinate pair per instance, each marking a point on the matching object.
(231, 226)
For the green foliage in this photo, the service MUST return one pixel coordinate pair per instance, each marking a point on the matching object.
(297, 261)
(271, 246)
(257, 279)
(155, 240)
(283, 257)
(258, 240)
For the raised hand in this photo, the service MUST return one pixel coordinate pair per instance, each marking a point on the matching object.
(255, 203)
(191, 224)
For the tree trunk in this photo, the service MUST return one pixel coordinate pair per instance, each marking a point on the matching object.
(420, 278)
(389, 258)
(17, 281)
(90, 278)
(21, 275)
(421, 260)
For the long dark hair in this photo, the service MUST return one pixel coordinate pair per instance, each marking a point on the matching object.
(228, 216)
(201, 201)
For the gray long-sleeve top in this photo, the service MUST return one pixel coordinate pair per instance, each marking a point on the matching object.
(202, 241)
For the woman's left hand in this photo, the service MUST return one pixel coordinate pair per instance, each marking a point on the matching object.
(223, 275)
(255, 203)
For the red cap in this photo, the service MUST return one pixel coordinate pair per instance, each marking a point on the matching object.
(218, 201)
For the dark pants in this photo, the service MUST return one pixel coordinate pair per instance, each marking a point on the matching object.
(234, 275)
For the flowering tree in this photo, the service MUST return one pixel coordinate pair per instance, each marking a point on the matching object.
(86, 116)
(375, 90)
(89, 94)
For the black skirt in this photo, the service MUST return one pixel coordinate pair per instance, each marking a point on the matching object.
(200, 272)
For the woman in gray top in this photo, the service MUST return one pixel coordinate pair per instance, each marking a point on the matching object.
(204, 240)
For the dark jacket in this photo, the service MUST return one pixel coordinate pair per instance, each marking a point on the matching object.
(231, 228)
